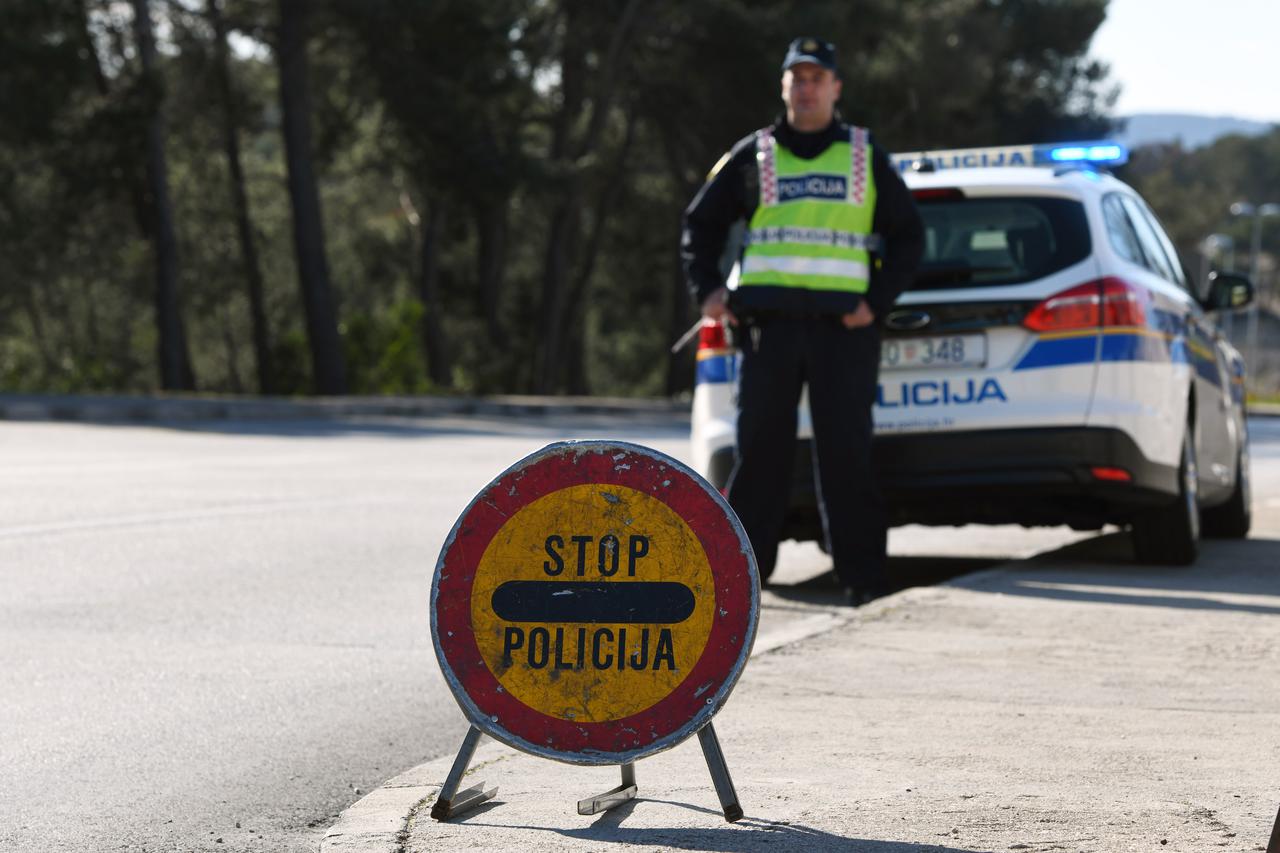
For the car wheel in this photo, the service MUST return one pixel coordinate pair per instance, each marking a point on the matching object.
(1232, 519)
(1170, 535)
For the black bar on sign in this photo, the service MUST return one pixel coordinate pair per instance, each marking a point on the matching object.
(649, 602)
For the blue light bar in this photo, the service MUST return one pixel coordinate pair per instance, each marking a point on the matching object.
(1100, 153)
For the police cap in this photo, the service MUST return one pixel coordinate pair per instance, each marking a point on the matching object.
(812, 50)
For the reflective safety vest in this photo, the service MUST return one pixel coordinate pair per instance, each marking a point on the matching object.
(807, 245)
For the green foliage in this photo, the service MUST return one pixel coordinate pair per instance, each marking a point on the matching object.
(290, 354)
(502, 182)
(384, 353)
(1192, 191)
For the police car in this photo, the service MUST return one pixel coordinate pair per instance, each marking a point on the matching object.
(1051, 364)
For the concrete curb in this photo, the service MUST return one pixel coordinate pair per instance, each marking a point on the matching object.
(188, 408)
(379, 821)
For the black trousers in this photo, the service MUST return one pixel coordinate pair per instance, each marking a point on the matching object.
(780, 355)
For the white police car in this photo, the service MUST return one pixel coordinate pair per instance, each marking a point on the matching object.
(1052, 364)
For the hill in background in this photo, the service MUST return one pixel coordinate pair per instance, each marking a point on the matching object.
(1194, 131)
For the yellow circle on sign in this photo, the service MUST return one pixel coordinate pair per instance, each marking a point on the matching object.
(586, 543)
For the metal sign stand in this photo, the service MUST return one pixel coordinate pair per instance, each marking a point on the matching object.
(719, 773)
(613, 797)
(1273, 846)
(451, 803)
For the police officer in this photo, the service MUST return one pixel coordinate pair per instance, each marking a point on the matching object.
(832, 238)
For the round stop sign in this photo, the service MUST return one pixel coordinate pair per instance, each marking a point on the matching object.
(595, 603)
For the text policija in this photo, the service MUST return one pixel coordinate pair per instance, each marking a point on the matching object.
(598, 648)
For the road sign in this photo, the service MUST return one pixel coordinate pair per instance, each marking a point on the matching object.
(594, 604)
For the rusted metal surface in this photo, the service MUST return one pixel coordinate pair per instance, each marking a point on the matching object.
(594, 604)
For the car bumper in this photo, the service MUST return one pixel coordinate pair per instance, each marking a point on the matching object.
(1040, 476)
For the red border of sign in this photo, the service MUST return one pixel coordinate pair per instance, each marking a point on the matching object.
(673, 718)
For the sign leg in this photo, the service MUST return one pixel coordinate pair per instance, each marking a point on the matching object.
(719, 773)
(1273, 846)
(451, 802)
(613, 797)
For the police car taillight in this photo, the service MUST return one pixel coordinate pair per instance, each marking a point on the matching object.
(1106, 301)
(1123, 304)
(712, 335)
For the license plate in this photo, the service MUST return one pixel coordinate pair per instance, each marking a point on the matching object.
(940, 351)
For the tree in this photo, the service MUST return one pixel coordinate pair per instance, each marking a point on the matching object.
(575, 146)
(448, 76)
(240, 202)
(1192, 190)
(503, 180)
(328, 363)
(175, 361)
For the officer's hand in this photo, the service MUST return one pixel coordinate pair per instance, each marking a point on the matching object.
(716, 307)
(864, 316)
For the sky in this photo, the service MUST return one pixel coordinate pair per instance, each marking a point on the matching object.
(1212, 57)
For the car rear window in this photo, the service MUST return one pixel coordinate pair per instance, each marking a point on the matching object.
(999, 240)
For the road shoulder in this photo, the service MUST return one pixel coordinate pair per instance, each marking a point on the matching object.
(1083, 704)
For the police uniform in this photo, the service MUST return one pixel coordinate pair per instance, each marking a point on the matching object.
(829, 224)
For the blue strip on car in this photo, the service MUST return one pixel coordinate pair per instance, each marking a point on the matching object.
(1061, 352)
(1136, 348)
(717, 368)
(1058, 352)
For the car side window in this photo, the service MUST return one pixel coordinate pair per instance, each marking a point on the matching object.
(1157, 261)
(1179, 275)
(1120, 231)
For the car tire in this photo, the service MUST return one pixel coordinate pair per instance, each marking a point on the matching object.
(1170, 535)
(1232, 519)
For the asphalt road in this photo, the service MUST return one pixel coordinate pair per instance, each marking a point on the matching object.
(215, 637)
